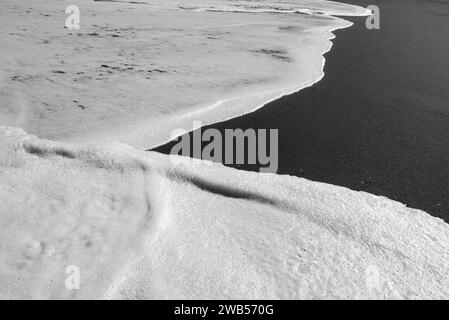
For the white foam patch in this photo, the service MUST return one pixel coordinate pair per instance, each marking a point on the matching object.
(304, 7)
(138, 226)
(136, 71)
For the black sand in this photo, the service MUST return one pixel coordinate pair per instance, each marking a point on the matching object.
(379, 120)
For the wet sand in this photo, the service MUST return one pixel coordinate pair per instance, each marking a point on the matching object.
(379, 119)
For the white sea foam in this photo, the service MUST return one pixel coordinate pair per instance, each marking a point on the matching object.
(136, 226)
(134, 72)
(267, 6)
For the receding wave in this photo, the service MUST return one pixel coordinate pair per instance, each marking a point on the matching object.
(137, 70)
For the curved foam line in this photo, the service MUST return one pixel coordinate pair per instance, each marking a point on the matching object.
(276, 94)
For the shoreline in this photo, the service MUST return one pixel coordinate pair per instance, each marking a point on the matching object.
(231, 107)
(145, 90)
(346, 129)
(100, 220)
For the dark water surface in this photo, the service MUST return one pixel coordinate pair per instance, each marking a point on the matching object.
(379, 120)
